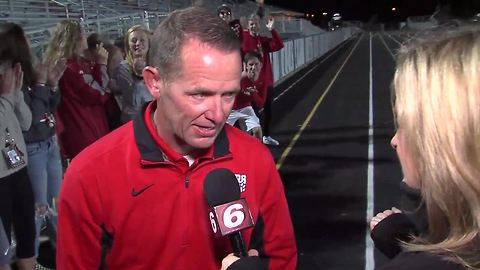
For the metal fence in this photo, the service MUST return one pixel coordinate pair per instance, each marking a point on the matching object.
(112, 18)
(302, 51)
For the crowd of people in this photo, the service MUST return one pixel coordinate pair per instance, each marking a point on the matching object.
(142, 120)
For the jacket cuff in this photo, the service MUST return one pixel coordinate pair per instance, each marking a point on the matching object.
(248, 263)
(390, 231)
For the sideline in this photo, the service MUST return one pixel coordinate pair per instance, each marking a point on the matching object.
(369, 246)
(295, 138)
(394, 39)
(386, 46)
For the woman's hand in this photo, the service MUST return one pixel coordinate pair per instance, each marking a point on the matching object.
(382, 215)
(56, 72)
(138, 66)
(270, 23)
(227, 261)
(102, 55)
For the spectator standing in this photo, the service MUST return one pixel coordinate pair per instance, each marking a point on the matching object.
(252, 41)
(83, 88)
(16, 196)
(225, 13)
(40, 90)
(111, 106)
(128, 77)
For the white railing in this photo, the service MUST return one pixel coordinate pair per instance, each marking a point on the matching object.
(302, 51)
(113, 18)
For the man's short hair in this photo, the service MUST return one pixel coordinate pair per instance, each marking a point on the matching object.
(254, 17)
(252, 54)
(186, 24)
(93, 40)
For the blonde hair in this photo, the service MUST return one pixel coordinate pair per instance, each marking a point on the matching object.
(129, 54)
(63, 42)
(437, 107)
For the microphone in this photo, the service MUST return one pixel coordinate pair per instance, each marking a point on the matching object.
(229, 214)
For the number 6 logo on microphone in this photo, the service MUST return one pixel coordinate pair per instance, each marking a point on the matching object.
(233, 216)
(230, 217)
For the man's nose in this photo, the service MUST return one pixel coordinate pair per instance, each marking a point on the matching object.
(215, 110)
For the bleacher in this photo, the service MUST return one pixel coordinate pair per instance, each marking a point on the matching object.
(113, 18)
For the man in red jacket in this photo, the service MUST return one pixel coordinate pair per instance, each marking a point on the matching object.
(135, 198)
(252, 41)
(252, 90)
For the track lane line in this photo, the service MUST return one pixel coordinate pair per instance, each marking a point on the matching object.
(295, 138)
(369, 246)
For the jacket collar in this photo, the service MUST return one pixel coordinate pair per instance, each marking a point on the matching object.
(154, 150)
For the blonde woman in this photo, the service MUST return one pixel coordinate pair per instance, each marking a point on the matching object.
(82, 87)
(128, 76)
(437, 108)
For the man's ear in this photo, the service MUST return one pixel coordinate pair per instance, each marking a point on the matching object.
(152, 80)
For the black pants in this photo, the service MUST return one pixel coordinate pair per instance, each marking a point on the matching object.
(17, 208)
(266, 115)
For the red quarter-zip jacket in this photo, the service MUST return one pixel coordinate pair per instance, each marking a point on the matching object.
(130, 202)
(264, 46)
(82, 108)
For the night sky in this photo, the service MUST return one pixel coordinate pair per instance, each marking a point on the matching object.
(365, 10)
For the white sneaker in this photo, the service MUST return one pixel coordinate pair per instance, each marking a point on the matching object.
(270, 141)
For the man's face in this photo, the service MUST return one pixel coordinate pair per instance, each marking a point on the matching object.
(192, 109)
(253, 27)
(225, 15)
(236, 28)
(253, 68)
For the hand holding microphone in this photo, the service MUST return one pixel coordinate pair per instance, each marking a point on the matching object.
(253, 262)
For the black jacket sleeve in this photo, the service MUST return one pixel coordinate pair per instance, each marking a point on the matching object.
(248, 263)
(389, 232)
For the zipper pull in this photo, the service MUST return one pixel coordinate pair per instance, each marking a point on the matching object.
(187, 181)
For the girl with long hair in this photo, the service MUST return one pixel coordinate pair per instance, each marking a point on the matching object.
(40, 90)
(436, 105)
(129, 78)
(83, 88)
(16, 196)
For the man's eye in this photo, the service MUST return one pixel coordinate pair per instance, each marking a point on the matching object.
(230, 95)
(198, 95)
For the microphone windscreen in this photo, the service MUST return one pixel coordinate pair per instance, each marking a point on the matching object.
(221, 186)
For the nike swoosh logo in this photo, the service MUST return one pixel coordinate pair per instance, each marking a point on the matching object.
(135, 193)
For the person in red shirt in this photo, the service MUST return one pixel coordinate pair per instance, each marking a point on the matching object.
(252, 41)
(82, 87)
(252, 90)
